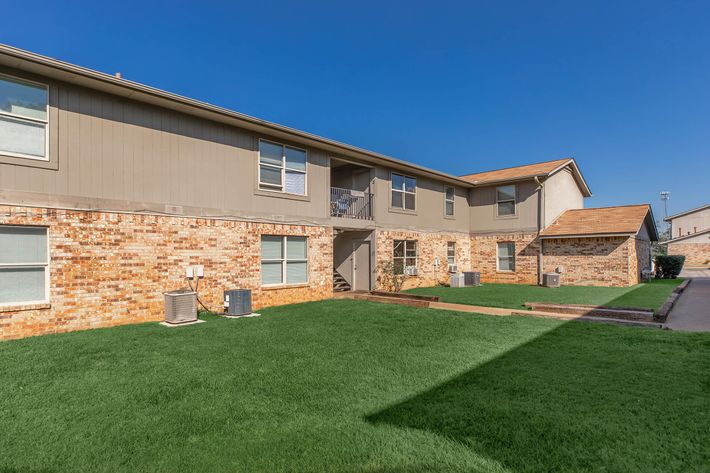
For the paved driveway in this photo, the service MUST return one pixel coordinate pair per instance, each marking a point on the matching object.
(691, 311)
(695, 273)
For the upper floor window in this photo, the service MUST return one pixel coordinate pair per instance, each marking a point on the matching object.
(24, 265)
(449, 193)
(24, 117)
(404, 192)
(505, 200)
(282, 168)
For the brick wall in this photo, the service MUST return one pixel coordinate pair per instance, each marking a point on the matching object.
(484, 253)
(603, 261)
(429, 246)
(639, 260)
(696, 254)
(112, 268)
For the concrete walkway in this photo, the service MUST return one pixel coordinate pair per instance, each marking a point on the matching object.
(691, 311)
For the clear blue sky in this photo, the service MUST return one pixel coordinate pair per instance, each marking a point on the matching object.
(622, 86)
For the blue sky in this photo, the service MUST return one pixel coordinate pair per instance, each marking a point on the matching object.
(624, 87)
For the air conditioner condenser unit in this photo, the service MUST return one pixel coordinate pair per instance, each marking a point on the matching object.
(237, 302)
(180, 307)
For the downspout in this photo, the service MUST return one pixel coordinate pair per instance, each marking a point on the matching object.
(540, 220)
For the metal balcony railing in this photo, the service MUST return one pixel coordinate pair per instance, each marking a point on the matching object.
(348, 203)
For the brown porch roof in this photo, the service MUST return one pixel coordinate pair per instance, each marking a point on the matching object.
(622, 220)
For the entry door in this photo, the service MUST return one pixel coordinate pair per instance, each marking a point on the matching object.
(361, 265)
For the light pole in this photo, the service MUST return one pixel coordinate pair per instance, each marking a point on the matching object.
(665, 195)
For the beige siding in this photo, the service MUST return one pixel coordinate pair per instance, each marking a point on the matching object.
(561, 193)
(429, 213)
(483, 210)
(691, 223)
(120, 154)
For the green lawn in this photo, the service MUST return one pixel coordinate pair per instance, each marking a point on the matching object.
(346, 386)
(647, 295)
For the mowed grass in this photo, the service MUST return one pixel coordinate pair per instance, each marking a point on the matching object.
(347, 386)
(650, 295)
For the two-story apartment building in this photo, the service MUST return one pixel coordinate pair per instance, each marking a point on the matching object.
(110, 189)
(690, 236)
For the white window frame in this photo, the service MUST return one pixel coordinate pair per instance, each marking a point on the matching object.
(452, 201)
(450, 259)
(284, 261)
(21, 118)
(514, 200)
(31, 264)
(499, 257)
(407, 244)
(403, 192)
(273, 187)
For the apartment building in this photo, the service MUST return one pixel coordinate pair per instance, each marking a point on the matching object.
(690, 236)
(109, 189)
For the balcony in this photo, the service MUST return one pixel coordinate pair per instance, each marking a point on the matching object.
(348, 203)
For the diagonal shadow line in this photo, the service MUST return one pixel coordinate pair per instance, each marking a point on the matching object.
(577, 398)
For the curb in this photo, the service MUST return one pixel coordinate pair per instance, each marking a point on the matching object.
(662, 314)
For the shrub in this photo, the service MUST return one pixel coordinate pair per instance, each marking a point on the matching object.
(669, 266)
(388, 278)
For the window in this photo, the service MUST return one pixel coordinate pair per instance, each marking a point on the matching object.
(505, 199)
(24, 264)
(282, 168)
(449, 194)
(506, 256)
(23, 118)
(404, 255)
(451, 252)
(284, 260)
(404, 191)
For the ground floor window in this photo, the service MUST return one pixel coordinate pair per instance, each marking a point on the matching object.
(404, 255)
(451, 252)
(506, 256)
(284, 260)
(24, 265)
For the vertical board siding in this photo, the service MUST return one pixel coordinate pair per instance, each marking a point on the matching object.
(112, 148)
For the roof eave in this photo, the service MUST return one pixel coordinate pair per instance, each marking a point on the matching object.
(687, 212)
(586, 235)
(134, 90)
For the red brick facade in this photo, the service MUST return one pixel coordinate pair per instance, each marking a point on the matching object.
(484, 252)
(112, 268)
(696, 254)
(429, 247)
(597, 261)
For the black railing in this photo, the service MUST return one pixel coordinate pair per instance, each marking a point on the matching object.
(348, 203)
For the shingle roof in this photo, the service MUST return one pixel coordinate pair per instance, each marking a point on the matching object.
(517, 172)
(622, 220)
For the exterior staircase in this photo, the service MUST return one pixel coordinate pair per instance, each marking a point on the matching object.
(339, 283)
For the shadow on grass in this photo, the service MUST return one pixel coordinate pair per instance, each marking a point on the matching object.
(579, 398)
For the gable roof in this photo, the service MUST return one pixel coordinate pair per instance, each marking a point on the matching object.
(691, 211)
(58, 70)
(529, 171)
(603, 221)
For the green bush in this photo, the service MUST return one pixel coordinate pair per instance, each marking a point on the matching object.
(669, 266)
